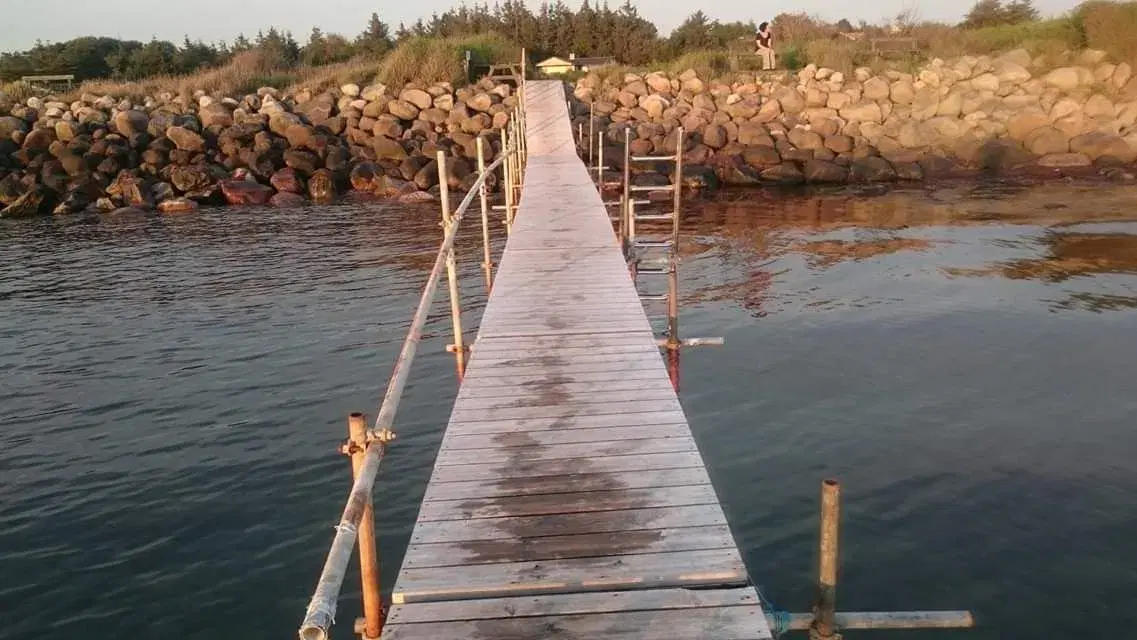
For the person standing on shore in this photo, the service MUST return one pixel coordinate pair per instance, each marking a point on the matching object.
(765, 42)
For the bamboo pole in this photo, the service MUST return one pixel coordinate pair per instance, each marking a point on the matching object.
(368, 557)
(507, 178)
(487, 258)
(678, 192)
(600, 162)
(591, 131)
(626, 198)
(517, 168)
(459, 346)
(824, 625)
(321, 610)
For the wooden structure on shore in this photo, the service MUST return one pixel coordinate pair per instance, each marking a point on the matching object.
(568, 498)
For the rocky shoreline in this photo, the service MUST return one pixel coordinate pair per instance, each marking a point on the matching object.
(174, 153)
(958, 118)
(961, 118)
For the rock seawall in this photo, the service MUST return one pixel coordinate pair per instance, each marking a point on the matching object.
(958, 117)
(172, 153)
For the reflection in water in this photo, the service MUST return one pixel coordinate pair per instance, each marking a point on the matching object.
(174, 387)
(826, 253)
(760, 237)
(1070, 255)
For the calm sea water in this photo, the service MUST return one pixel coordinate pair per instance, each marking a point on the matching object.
(963, 359)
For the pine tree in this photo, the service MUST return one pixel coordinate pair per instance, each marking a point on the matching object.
(376, 39)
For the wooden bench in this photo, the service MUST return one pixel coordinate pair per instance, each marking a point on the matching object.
(50, 82)
(894, 46)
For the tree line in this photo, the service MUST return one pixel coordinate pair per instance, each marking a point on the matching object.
(553, 28)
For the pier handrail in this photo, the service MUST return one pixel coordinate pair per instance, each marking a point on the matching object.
(320, 614)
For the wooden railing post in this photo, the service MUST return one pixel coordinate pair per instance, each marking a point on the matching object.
(487, 258)
(459, 346)
(372, 625)
(507, 178)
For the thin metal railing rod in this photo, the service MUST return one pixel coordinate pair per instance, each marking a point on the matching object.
(320, 614)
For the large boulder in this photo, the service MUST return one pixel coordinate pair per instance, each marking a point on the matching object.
(790, 100)
(1067, 78)
(480, 102)
(35, 201)
(769, 111)
(365, 176)
(825, 171)
(322, 186)
(1046, 141)
(1099, 107)
(306, 162)
(1009, 72)
(131, 123)
(403, 110)
(245, 192)
(10, 125)
(186, 139)
(216, 115)
(1025, 122)
(715, 136)
(287, 180)
(192, 179)
(784, 173)
(1101, 145)
(864, 111)
(871, 169)
(417, 97)
(876, 89)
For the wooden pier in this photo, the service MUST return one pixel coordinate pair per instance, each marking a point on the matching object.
(569, 499)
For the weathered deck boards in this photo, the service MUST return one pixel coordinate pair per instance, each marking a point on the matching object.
(569, 498)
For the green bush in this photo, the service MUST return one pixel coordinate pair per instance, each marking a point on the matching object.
(429, 60)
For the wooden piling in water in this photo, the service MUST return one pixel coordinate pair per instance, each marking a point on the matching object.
(368, 555)
(825, 608)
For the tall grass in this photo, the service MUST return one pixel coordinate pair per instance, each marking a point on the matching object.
(429, 60)
(1111, 27)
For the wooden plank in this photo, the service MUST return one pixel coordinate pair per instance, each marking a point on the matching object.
(640, 376)
(568, 342)
(578, 451)
(636, 388)
(566, 605)
(571, 370)
(567, 466)
(559, 503)
(477, 441)
(556, 356)
(712, 567)
(467, 553)
(554, 423)
(512, 528)
(555, 392)
(543, 485)
(460, 414)
(722, 623)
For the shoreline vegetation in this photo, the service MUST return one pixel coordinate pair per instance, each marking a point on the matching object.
(156, 126)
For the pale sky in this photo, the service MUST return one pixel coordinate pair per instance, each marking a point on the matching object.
(211, 20)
